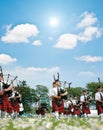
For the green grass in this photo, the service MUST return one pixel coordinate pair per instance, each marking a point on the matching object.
(50, 123)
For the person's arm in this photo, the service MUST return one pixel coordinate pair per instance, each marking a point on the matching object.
(13, 95)
(57, 97)
(8, 89)
(90, 99)
(64, 93)
(52, 95)
(82, 99)
(97, 98)
(1, 93)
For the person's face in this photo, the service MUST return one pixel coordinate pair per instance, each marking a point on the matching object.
(75, 97)
(100, 89)
(70, 98)
(54, 85)
(84, 93)
(58, 83)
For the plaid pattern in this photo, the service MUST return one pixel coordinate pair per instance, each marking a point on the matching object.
(16, 106)
(60, 109)
(7, 105)
(86, 108)
(99, 107)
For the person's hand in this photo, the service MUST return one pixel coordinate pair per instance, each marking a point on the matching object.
(87, 102)
(1, 92)
(59, 97)
(5, 90)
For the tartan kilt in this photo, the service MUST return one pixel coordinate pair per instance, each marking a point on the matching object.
(99, 107)
(40, 111)
(16, 106)
(1, 102)
(1, 106)
(86, 108)
(7, 105)
(70, 109)
(65, 112)
(76, 110)
(55, 107)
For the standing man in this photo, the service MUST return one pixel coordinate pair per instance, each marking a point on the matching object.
(99, 101)
(57, 101)
(85, 101)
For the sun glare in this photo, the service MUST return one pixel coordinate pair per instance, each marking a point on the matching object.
(54, 21)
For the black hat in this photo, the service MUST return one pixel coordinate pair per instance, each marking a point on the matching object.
(99, 87)
(84, 90)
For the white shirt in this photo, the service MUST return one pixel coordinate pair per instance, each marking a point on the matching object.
(74, 102)
(97, 96)
(53, 91)
(66, 104)
(82, 99)
(1, 86)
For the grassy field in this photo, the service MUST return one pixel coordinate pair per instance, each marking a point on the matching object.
(50, 123)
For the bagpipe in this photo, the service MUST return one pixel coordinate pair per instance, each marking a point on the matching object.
(89, 95)
(17, 95)
(87, 100)
(77, 105)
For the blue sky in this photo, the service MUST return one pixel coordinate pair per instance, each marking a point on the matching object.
(39, 38)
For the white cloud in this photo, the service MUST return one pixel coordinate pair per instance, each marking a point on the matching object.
(53, 69)
(89, 24)
(89, 33)
(34, 75)
(20, 33)
(67, 41)
(90, 58)
(37, 43)
(5, 59)
(89, 19)
(86, 73)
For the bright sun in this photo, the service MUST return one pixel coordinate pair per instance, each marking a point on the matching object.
(54, 21)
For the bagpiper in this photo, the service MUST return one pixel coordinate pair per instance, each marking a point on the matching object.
(85, 101)
(99, 101)
(76, 106)
(57, 100)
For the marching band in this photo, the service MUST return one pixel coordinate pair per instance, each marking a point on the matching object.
(11, 100)
(72, 106)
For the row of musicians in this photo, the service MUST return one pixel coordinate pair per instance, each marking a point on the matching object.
(10, 99)
(72, 106)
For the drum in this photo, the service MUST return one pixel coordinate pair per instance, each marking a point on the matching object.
(43, 102)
